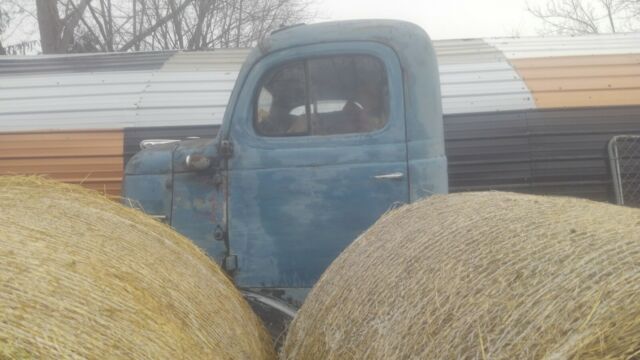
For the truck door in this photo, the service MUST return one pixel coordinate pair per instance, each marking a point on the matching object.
(319, 153)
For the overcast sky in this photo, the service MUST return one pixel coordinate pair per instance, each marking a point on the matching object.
(442, 19)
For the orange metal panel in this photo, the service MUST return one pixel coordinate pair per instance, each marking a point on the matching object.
(579, 81)
(620, 97)
(91, 158)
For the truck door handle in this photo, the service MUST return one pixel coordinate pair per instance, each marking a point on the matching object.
(391, 176)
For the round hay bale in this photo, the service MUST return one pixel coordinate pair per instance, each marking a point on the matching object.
(481, 276)
(83, 277)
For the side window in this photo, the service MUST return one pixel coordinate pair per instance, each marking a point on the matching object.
(324, 96)
(282, 102)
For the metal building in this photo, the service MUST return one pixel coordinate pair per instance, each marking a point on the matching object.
(521, 114)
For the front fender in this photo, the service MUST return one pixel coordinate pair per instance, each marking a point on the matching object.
(148, 181)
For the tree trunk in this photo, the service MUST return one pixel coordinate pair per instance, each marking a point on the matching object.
(2, 50)
(49, 24)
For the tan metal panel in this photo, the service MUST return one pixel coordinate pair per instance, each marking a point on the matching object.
(568, 99)
(569, 72)
(590, 83)
(91, 158)
(571, 61)
(582, 81)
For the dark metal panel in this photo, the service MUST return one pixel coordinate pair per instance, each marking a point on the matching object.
(487, 150)
(555, 152)
(133, 136)
(570, 146)
(10, 66)
(485, 125)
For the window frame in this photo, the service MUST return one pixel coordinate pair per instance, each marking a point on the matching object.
(378, 53)
(240, 124)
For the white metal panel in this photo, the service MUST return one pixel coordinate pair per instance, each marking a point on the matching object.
(180, 116)
(192, 90)
(470, 89)
(195, 97)
(89, 100)
(486, 103)
(216, 60)
(480, 87)
(478, 76)
(89, 79)
(82, 63)
(603, 44)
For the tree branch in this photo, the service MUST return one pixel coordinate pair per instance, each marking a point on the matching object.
(70, 22)
(153, 28)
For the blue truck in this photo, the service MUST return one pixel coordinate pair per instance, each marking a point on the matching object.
(328, 126)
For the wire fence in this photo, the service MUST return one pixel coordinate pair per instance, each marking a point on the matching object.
(624, 155)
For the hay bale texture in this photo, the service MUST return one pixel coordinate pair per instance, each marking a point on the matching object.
(481, 276)
(83, 277)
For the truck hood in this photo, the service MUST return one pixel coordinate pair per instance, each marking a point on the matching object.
(171, 158)
(154, 160)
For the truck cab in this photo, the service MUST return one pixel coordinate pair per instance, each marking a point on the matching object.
(328, 127)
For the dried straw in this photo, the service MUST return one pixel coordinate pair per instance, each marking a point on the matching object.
(84, 277)
(481, 276)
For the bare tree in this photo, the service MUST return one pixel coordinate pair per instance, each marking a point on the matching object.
(11, 17)
(206, 24)
(572, 17)
(4, 20)
(124, 25)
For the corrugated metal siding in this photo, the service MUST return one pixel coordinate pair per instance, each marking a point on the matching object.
(217, 60)
(560, 152)
(476, 77)
(192, 89)
(71, 101)
(495, 137)
(185, 98)
(482, 87)
(176, 89)
(93, 159)
(487, 151)
(554, 46)
(465, 51)
(581, 81)
(16, 65)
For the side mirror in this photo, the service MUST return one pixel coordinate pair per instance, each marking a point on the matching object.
(197, 162)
